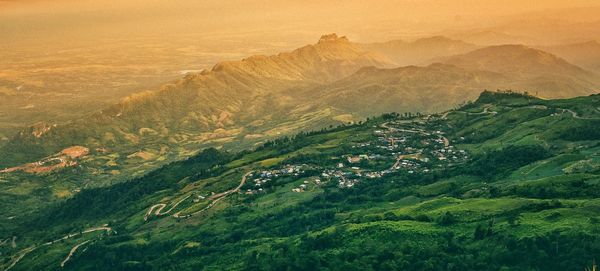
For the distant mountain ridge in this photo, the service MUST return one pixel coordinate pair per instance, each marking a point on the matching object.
(421, 51)
(490, 37)
(233, 99)
(331, 58)
(531, 69)
(584, 54)
(239, 103)
(505, 58)
(414, 89)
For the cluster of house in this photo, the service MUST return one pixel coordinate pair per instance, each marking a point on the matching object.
(263, 177)
(450, 154)
(412, 147)
(410, 165)
(302, 187)
(287, 170)
(346, 179)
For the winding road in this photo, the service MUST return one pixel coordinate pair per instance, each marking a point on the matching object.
(62, 264)
(485, 111)
(28, 250)
(445, 115)
(157, 208)
(216, 198)
(4, 242)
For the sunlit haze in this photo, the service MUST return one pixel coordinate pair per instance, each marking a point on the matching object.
(69, 21)
(299, 135)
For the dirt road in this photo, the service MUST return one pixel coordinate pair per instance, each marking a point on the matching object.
(575, 115)
(216, 198)
(28, 250)
(62, 264)
(159, 207)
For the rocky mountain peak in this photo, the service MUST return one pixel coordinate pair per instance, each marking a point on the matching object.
(333, 37)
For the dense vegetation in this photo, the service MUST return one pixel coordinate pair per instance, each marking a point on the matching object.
(499, 163)
(103, 202)
(523, 198)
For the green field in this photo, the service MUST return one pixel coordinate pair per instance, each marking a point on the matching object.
(516, 189)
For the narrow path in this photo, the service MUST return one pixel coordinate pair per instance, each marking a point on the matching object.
(385, 125)
(62, 264)
(159, 207)
(575, 115)
(216, 198)
(23, 253)
(400, 157)
(397, 163)
(485, 111)
(178, 214)
(4, 242)
(446, 141)
(28, 250)
(541, 107)
(537, 166)
(422, 132)
(445, 115)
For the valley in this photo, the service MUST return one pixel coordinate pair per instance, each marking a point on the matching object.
(239, 104)
(480, 178)
(299, 135)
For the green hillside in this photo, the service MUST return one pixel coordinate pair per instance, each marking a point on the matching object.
(508, 182)
(243, 101)
(241, 104)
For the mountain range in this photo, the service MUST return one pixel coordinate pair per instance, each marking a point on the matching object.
(583, 54)
(237, 104)
(422, 51)
(229, 135)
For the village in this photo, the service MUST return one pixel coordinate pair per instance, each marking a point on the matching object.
(396, 147)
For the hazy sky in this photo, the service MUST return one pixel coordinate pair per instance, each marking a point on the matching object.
(30, 21)
(115, 47)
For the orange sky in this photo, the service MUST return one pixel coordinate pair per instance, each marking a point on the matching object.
(30, 21)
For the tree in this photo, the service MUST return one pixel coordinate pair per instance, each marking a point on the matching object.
(490, 230)
(494, 192)
(446, 219)
(390, 216)
(479, 233)
(513, 219)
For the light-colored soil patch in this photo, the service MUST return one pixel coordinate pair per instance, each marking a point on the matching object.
(62, 193)
(345, 118)
(65, 158)
(142, 154)
(75, 151)
(147, 131)
(253, 136)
